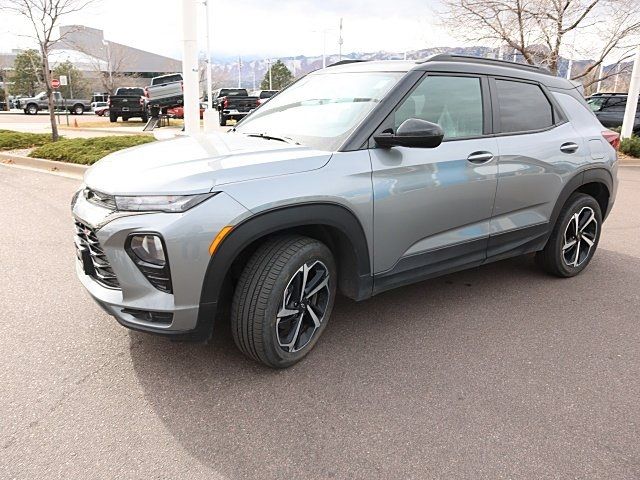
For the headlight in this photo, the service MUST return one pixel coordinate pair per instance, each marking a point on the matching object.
(160, 203)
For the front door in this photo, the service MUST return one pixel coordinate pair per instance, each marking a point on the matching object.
(432, 207)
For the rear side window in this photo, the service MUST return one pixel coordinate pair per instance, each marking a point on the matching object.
(454, 103)
(523, 107)
(616, 104)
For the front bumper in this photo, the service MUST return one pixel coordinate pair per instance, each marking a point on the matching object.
(187, 237)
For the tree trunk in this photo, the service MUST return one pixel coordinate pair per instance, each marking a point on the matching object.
(6, 89)
(52, 107)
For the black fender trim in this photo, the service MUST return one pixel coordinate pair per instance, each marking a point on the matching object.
(244, 234)
(590, 175)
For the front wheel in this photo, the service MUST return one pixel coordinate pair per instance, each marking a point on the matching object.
(283, 300)
(574, 238)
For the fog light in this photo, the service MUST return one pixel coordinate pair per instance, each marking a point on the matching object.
(148, 252)
(148, 248)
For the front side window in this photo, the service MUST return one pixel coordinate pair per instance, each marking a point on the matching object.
(454, 103)
(523, 107)
(321, 109)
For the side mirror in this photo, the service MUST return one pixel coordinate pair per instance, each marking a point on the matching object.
(413, 133)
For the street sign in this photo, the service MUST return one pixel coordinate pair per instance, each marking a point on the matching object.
(63, 80)
(55, 83)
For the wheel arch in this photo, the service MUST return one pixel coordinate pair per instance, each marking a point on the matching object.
(596, 182)
(333, 224)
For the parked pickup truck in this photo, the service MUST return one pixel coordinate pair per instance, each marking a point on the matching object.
(610, 108)
(128, 102)
(165, 92)
(233, 103)
(33, 105)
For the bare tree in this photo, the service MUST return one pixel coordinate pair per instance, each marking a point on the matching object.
(540, 30)
(110, 63)
(44, 16)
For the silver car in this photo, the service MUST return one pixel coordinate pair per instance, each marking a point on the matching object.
(358, 178)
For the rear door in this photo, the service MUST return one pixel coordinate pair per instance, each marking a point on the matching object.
(539, 150)
(432, 206)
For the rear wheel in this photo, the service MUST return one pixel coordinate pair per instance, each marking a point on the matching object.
(283, 300)
(145, 118)
(31, 109)
(113, 118)
(223, 119)
(78, 109)
(574, 238)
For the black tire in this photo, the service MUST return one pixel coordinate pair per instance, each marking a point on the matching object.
(558, 256)
(31, 109)
(145, 118)
(260, 294)
(78, 109)
(125, 119)
(113, 118)
(223, 119)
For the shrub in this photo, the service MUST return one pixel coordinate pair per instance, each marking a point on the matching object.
(87, 151)
(631, 146)
(10, 140)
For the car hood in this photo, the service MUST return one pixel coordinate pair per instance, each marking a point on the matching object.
(198, 164)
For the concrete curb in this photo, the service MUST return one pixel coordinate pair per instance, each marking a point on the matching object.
(72, 170)
(102, 130)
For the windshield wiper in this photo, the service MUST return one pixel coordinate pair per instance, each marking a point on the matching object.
(267, 136)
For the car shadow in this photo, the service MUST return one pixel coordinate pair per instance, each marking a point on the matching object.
(463, 371)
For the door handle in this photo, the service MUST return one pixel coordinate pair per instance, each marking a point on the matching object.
(569, 147)
(480, 157)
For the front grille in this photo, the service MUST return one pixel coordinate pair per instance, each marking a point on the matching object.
(92, 256)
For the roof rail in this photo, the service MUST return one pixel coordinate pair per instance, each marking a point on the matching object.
(454, 57)
(345, 62)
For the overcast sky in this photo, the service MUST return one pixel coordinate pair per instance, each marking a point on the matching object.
(260, 27)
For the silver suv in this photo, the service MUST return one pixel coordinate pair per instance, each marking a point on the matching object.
(356, 179)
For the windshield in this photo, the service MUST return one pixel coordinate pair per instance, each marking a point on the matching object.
(596, 103)
(320, 110)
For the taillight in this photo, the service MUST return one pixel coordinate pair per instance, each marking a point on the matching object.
(146, 92)
(109, 100)
(612, 138)
(257, 102)
(141, 101)
(225, 103)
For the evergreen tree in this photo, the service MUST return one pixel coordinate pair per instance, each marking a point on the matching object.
(76, 84)
(280, 77)
(27, 73)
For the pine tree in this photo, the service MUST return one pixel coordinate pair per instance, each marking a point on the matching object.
(280, 77)
(27, 73)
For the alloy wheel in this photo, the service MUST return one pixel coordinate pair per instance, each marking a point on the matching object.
(303, 307)
(579, 237)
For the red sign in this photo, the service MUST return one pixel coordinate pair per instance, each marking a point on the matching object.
(55, 83)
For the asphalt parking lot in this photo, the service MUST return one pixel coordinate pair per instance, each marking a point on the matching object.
(496, 372)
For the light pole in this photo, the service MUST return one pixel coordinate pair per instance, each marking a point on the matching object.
(190, 67)
(632, 98)
(209, 115)
(340, 41)
(239, 72)
(269, 71)
(600, 75)
(108, 49)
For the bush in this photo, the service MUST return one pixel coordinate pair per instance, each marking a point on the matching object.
(631, 146)
(87, 151)
(10, 140)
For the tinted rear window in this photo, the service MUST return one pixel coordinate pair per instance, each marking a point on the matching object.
(267, 93)
(523, 107)
(130, 91)
(234, 92)
(167, 79)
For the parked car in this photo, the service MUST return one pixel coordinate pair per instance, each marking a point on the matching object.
(100, 108)
(610, 107)
(165, 91)
(263, 95)
(32, 105)
(128, 102)
(178, 112)
(356, 179)
(233, 103)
